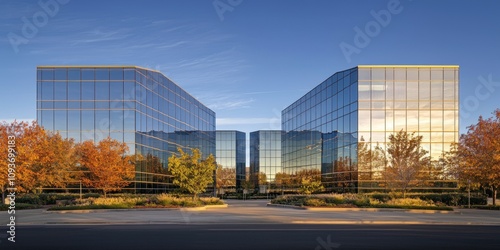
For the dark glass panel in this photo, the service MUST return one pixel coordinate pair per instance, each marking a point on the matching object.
(47, 90)
(73, 74)
(87, 74)
(60, 74)
(116, 74)
(47, 74)
(102, 74)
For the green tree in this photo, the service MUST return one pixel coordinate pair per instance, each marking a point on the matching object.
(479, 152)
(309, 185)
(191, 173)
(405, 159)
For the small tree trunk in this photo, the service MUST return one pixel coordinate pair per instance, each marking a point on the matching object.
(104, 191)
(494, 196)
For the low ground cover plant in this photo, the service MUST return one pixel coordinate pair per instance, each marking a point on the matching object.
(357, 201)
(137, 201)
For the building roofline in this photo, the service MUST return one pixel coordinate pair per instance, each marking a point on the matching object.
(96, 66)
(408, 66)
(119, 66)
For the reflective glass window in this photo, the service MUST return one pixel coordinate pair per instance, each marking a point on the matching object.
(389, 120)
(412, 121)
(74, 74)
(116, 90)
(116, 120)
(47, 120)
(116, 136)
(74, 120)
(87, 120)
(400, 74)
(87, 90)
(60, 74)
(436, 91)
(436, 75)
(87, 74)
(74, 90)
(364, 74)
(399, 120)
(102, 74)
(60, 91)
(47, 90)
(364, 120)
(378, 120)
(400, 90)
(436, 120)
(116, 74)
(424, 120)
(47, 74)
(102, 90)
(102, 120)
(60, 119)
(412, 91)
(424, 90)
(449, 91)
(378, 90)
(424, 74)
(129, 74)
(449, 75)
(364, 91)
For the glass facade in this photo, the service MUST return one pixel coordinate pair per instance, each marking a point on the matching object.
(265, 154)
(230, 148)
(362, 106)
(138, 106)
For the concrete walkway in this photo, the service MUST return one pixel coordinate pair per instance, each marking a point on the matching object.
(249, 212)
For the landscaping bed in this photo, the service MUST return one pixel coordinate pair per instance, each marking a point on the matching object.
(357, 201)
(19, 206)
(137, 201)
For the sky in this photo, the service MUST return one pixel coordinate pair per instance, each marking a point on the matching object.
(249, 59)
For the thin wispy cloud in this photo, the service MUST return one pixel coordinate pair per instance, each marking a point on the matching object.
(98, 35)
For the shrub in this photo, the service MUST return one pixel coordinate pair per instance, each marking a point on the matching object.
(410, 202)
(314, 202)
(211, 201)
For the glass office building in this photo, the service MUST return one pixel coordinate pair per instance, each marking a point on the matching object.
(138, 106)
(230, 148)
(358, 109)
(265, 155)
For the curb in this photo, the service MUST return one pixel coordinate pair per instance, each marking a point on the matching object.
(87, 211)
(333, 209)
(373, 222)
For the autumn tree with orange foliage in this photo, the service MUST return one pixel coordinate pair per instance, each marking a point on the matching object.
(479, 153)
(106, 165)
(43, 159)
(225, 178)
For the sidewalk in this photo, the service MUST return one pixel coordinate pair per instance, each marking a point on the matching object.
(250, 212)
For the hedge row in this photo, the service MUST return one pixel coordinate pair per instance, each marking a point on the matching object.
(450, 199)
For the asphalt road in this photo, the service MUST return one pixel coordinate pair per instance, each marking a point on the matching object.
(254, 236)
